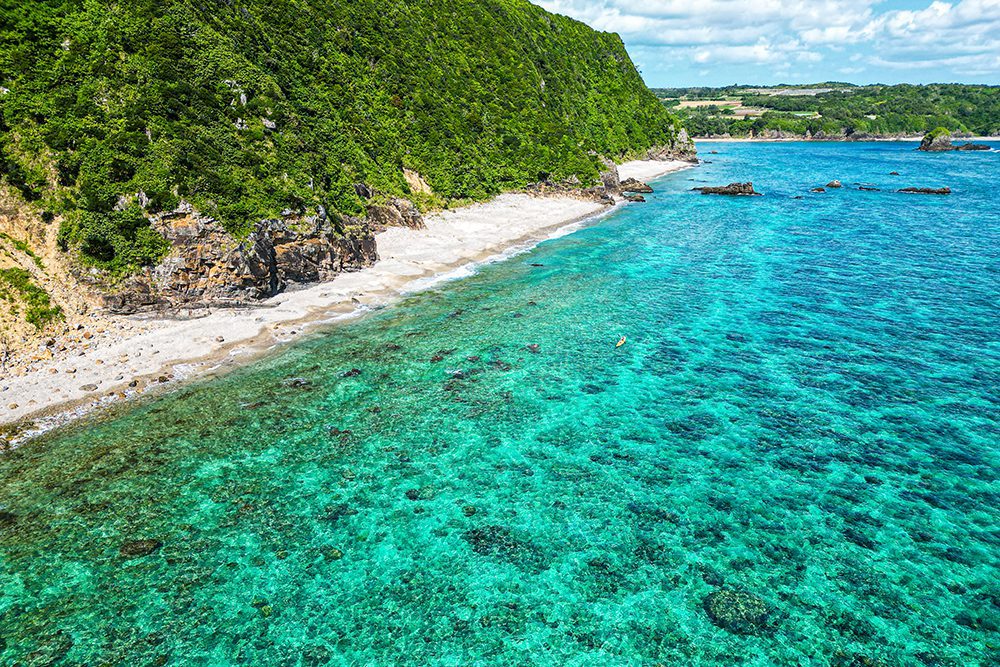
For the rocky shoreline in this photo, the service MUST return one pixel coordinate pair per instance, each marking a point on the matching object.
(123, 356)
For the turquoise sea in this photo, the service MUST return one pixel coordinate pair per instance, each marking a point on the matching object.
(793, 460)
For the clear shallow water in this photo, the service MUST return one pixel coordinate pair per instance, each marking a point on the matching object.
(807, 414)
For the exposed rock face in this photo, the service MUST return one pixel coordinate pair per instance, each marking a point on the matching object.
(735, 189)
(395, 213)
(940, 143)
(207, 266)
(926, 191)
(636, 186)
(416, 182)
(609, 177)
(683, 148)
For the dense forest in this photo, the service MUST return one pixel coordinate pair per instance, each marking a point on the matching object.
(836, 109)
(246, 108)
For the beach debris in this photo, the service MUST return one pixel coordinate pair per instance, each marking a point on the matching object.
(834, 184)
(635, 186)
(738, 612)
(926, 191)
(139, 548)
(733, 189)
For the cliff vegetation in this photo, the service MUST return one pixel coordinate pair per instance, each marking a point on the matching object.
(248, 109)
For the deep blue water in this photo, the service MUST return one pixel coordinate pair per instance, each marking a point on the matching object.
(793, 461)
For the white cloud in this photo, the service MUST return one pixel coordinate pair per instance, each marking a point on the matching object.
(962, 34)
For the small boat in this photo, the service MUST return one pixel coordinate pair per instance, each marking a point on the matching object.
(621, 342)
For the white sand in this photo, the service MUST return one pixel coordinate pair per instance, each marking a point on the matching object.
(410, 260)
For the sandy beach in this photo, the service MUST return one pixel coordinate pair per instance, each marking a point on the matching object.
(133, 355)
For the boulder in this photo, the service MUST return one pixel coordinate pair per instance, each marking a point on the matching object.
(818, 190)
(734, 189)
(834, 184)
(926, 191)
(633, 198)
(636, 186)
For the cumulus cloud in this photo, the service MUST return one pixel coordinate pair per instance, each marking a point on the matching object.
(962, 35)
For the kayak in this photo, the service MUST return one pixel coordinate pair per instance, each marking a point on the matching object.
(621, 342)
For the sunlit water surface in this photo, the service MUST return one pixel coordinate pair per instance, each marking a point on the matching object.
(792, 461)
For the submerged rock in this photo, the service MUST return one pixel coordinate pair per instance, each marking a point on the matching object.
(297, 383)
(818, 190)
(734, 189)
(139, 548)
(926, 191)
(499, 542)
(737, 611)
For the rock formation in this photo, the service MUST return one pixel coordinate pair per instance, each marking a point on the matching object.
(635, 186)
(207, 266)
(940, 142)
(926, 191)
(735, 189)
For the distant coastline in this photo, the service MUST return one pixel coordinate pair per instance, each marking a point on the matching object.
(786, 139)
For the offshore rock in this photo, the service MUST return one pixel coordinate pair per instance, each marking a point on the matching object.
(734, 189)
(834, 184)
(206, 266)
(940, 143)
(926, 191)
(738, 612)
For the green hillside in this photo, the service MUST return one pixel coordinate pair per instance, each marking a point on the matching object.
(837, 109)
(245, 108)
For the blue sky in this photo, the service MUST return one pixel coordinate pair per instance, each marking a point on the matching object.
(720, 42)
